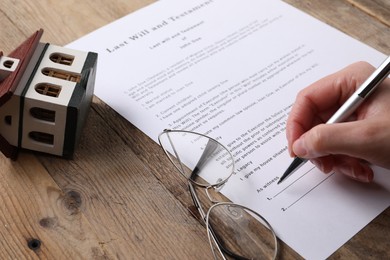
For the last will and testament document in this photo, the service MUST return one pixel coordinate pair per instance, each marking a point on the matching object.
(231, 69)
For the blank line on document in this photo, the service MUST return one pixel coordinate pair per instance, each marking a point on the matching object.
(318, 184)
(303, 175)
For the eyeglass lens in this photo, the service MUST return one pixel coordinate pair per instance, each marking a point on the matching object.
(241, 233)
(199, 158)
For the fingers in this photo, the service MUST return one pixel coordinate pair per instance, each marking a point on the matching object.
(351, 167)
(326, 139)
(343, 147)
(367, 139)
(316, 103)
(355, 169)
(329, 146)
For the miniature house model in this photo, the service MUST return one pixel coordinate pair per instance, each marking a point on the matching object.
(45, 95)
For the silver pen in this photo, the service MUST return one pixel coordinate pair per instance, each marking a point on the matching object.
(348, 107)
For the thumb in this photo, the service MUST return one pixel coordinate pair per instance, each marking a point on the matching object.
(327, 139)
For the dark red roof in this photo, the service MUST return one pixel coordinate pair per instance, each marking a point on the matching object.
(24, 53)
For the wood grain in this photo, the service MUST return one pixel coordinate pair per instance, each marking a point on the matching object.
(119, 198)
(378, 9)
(34, 208)
(351, 20)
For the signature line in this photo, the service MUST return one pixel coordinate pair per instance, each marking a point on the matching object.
(330, 175)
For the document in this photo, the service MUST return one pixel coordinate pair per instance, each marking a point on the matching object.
(231, 70)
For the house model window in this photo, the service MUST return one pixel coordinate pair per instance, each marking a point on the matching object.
(45, 95)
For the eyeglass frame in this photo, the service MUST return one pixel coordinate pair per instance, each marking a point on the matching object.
(205, 216)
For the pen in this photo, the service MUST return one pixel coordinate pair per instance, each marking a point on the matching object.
(348, 107)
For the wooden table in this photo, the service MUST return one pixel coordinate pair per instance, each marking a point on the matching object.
(119, 198)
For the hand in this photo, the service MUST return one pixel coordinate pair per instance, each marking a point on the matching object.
(347, 147)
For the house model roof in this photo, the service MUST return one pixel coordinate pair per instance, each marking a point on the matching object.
(23, 53)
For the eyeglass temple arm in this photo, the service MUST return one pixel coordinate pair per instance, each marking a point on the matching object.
(215, 237)
(211, 146)
(196, 201)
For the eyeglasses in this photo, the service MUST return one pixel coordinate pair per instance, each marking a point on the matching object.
(234, 231)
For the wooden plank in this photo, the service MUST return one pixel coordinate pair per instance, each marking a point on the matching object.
(38, 219)
(130, 210)
(379, 9)
(63, 21)
(350, 20)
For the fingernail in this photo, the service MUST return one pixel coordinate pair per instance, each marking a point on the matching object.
(299, 147)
